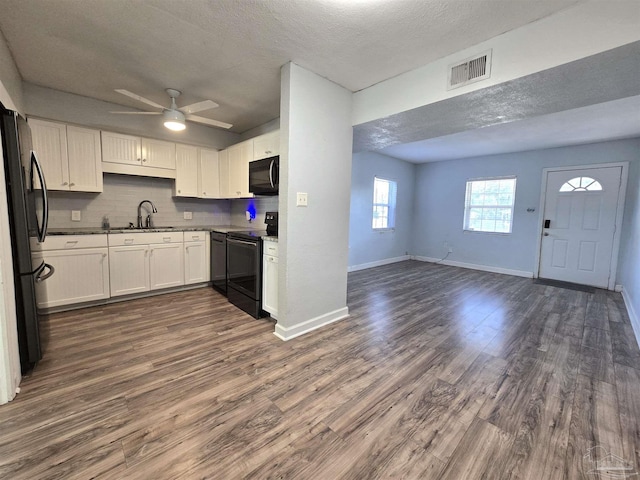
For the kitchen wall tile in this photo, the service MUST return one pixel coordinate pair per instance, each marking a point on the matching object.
(120, 200)
(260, 204)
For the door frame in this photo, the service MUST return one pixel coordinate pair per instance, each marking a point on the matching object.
(615, 250)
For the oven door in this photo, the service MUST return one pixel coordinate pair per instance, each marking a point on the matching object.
(243, 266)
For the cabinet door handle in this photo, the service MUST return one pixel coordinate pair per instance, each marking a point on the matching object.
(72, 184)
(138, 160)
(104, 255)
(166, 239)
(64, 184)
(204, 193)
(144, 160)
(179, 191)
(268, 151)
(70, 243)
(128, 241)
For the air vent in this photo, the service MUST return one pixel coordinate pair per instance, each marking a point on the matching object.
(470, 70)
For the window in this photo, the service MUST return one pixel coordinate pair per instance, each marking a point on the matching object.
(384, 204)
(488, 205)
(581, 184)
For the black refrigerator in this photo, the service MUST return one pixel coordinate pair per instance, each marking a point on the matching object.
(28, 215)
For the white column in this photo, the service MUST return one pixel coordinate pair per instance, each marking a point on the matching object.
(315, 158)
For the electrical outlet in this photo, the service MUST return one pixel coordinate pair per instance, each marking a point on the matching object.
(188, 215)
(301, 199)
(76, 215)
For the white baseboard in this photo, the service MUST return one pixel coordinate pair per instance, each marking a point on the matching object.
(378, 263)
(287, 333)
(474, 266)
(635, 320)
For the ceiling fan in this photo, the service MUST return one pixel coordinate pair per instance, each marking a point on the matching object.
(173, 116)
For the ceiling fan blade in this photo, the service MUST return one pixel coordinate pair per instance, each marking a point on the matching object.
(198, 107)
(138, 113)
(208, 121)
(139, 98)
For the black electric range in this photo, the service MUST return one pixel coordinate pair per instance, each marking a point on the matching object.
(244, 270)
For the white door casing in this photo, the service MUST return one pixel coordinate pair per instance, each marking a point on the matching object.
(580, 243)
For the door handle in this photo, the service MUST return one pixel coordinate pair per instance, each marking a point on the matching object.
(35, 165)
(40, 277)
(546, 234)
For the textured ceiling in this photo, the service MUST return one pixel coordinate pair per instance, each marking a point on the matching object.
(231, 51)
(521, 114)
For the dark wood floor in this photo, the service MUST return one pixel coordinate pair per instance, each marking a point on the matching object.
(439, 373)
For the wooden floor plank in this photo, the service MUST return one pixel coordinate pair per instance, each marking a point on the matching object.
(439, 372)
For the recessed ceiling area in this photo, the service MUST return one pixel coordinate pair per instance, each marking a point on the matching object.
(555, 107)
(601, 122)
(231, 51)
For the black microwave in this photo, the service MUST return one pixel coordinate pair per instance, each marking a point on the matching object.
(263, 176)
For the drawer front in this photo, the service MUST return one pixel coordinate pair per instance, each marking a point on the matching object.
(69, 242)
(144, 238)
(270, 248)
(195, 236)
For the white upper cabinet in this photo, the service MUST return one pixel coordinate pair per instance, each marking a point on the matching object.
(158, 154)
(197, 172)
(70, 156)
(119, 148)
(239, 157)
(131, 155)
(209, 175)
(267, 145)
(187, 173)
(223, 171)
(50, 144)
(85, 159)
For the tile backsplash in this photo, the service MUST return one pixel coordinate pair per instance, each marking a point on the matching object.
(261, 205)
(120, 199)
(123, 193)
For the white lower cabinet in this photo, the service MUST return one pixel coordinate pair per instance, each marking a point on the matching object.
(81, 270)
(129, 269)
(270, 278)
(197, 267)
(145, 261)
(166, 265)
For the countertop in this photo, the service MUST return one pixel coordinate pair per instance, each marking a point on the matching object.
(98, 230)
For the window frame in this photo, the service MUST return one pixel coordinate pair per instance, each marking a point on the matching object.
(468, 206)
(390, 205)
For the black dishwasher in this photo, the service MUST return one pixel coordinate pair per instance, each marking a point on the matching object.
(219, 261)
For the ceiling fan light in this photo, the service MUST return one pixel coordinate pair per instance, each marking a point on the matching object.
(174, 120)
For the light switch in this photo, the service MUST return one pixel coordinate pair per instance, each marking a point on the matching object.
(301, 199)
(188, 215)
(76, 215)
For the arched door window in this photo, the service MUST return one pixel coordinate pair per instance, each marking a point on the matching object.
(581, 184)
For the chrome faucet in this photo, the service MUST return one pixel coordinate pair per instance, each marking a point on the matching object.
(153, 210)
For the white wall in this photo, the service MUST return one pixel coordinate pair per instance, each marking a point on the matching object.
(66, 107)
(10, 80)
(629, 263)
(11, 97)
(315, 145)
(574, 33)
(440, 194)
(367, 247)
(261, 129)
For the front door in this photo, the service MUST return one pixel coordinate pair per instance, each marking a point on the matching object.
(580, 211)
